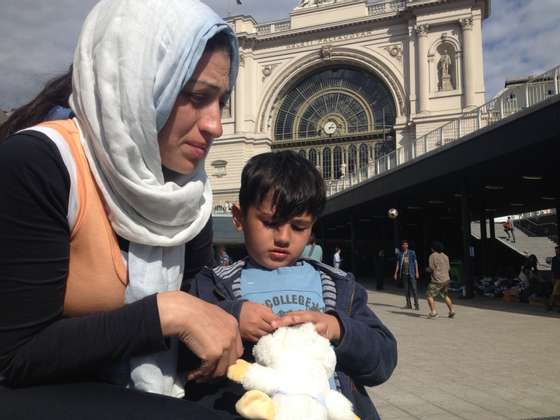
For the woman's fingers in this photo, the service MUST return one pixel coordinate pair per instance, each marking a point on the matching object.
(206, 329)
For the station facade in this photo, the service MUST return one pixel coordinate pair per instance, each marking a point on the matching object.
(344, 82)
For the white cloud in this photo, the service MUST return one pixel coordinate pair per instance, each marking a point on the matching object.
(522, 37)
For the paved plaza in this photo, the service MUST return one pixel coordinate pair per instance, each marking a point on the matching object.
(495, 361)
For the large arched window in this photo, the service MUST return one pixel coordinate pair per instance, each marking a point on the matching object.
(313, 157)
(337, 158)
(333, 102)
(352, 160)
(364, 159)
(327, 162)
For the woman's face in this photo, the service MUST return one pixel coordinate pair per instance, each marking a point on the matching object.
(195, 120)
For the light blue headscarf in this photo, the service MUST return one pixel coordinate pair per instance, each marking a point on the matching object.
(132, 60)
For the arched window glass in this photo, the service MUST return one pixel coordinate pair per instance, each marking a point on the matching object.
(327, 171)
(313, 157)
(302, 153)
(352, 160)
(363, 159)
(354, 100)
(337, 158)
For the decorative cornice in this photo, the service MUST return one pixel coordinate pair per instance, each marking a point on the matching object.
(315, 29)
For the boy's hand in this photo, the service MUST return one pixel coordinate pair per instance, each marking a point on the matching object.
(325, 324)
(255, 320)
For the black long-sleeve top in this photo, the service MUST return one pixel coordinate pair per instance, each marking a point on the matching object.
(38, 344)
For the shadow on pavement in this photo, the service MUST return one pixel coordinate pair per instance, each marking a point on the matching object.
(412, 314)
(482, 302)
(383, 304)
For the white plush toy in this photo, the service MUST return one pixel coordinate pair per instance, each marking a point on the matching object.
(290, 379)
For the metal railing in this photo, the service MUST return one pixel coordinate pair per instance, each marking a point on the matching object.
(510, 101)
(378, 8)
(389, 6)
(273, 27)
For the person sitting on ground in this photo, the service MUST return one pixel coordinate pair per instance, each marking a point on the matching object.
(95, 212)
(438, 267)
(281, 196)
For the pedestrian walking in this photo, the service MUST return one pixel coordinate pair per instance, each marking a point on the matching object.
(438, 267)
(407, 270)
(508, 229)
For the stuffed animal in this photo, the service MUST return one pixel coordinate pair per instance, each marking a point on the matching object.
(290, 379)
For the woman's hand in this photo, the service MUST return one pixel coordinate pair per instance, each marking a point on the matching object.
(325, 324)
(255, 321)
(207, 330)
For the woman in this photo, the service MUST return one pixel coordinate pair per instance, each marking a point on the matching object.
(149, 80)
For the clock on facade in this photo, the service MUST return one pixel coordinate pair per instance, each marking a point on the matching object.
(329, 127)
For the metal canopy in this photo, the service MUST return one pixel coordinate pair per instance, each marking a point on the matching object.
(509, 168)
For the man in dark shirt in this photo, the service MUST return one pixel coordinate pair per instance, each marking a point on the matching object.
(555, 270)
(407, 269)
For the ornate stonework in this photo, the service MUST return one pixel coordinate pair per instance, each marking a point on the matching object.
(422, 30)
(310, 3)
(326, 52)
(395, 51)
(318, 81)
(467, 24)
(268, 69)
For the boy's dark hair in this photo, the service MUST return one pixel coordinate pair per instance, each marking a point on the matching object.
(437, 246)
(295, 184)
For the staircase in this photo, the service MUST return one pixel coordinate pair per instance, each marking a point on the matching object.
(526, 245)
(508, 102)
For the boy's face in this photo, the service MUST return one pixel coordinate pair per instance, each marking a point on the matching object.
(272, 246)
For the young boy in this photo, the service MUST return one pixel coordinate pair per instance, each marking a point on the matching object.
(281, 196)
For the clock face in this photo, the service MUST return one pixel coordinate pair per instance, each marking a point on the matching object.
(329, 127)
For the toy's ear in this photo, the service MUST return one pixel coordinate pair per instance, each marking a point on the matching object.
(256, 405)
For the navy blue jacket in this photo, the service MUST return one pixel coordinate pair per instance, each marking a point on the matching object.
(411, 263)
(366, 355)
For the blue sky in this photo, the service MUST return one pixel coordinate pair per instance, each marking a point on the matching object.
(521, 37)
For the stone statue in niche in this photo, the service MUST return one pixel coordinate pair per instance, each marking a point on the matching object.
(444, 71)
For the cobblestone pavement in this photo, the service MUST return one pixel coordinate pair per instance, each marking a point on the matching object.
(494, 361)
